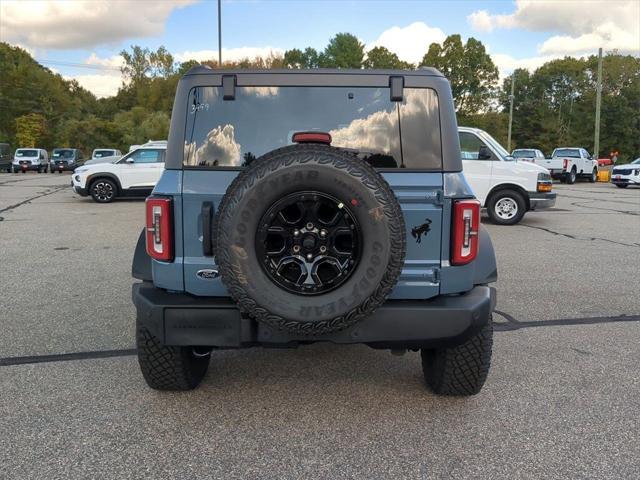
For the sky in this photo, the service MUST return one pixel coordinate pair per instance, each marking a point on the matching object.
(82, 39)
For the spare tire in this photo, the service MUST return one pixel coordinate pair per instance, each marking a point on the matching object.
(310, 239)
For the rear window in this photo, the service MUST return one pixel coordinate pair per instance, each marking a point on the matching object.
(26, 153)
(524, 153)
(567, 152)
(361, 119)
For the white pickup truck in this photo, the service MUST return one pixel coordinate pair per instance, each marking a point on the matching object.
(506, 187)
(567, 164)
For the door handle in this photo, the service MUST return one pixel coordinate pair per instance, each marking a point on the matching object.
(207, 231)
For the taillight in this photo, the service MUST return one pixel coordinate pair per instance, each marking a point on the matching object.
(565, 163)
(159, 228)
(466, 225)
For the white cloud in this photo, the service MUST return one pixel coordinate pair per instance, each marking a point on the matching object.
(101, 85)
(507, 64)
(582, 26)
(58, 24)
(114, 61)
(410, 43)
(228, 54)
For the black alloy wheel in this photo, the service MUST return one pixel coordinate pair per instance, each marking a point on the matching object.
(309, 243)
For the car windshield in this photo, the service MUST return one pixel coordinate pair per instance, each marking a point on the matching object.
(362, 120)
(523, 153)
(566, 152)
(62, 153)
(26, 153)
(103, 153)
(636, 161)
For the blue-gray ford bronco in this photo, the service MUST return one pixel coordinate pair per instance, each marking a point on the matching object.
(302, 206)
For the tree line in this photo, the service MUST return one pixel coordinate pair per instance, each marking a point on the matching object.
(554, 105)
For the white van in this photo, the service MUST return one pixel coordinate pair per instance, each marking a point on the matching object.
(30, 159)
(506, 187)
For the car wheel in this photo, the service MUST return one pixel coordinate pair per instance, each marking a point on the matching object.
(103, 190)
(460, 370)
(571, 176)
(506, 207)
(169, 368)
(621, 185)
(320, 225)
(594, 176)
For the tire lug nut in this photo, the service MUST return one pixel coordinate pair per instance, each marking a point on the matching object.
(323, 249)
(296, 248)
(309, 226)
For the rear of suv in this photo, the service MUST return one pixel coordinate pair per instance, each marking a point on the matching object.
(314, 206)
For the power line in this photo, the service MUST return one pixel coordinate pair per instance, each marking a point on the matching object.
(78, 65)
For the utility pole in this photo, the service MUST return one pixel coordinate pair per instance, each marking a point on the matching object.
(511, 97)
(596, 141)
(219, 33)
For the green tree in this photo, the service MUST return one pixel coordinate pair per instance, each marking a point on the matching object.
(469, 69)
(380, 57)
(162, 63)
(297, 58)
(137, 64)
(30, 129)
(343, 51)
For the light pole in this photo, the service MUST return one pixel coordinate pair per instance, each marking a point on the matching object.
(219, 33)
(511, 97)
(596, 140)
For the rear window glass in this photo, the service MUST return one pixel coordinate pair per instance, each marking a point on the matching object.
(363, 120)
(26, 153)
(567, 152)
(524, 153)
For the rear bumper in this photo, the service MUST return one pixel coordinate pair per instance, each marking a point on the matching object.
(540, 201)
(185, 320)
(66, 167)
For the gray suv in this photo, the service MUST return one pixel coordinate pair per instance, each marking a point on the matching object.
(314, 206)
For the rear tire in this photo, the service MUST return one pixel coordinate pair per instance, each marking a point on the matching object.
(621, 185)
(594, 176)
(103, 190)
(571, 176)
(460, 370)
(506, 207)
(168, 368)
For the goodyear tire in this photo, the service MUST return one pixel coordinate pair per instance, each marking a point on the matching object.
(460, 370)
(329, 178)
(169, 368)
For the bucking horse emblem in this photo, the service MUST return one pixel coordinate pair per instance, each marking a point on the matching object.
(422, 230)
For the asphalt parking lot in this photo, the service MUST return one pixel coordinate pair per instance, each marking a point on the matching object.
(561, 401)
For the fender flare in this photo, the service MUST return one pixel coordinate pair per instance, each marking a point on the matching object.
(141, 266)
(486, 270)
(108, 175)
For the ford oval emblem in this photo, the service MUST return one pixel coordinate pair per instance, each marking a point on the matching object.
(207, 274)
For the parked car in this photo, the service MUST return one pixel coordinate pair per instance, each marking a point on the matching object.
(506, 188)
(527, 154)
(30, 159)
(5, 157)
(569, 163)
(310, 242)
(134, 174)
(624, 175)
(65, 159)
(105, 152)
